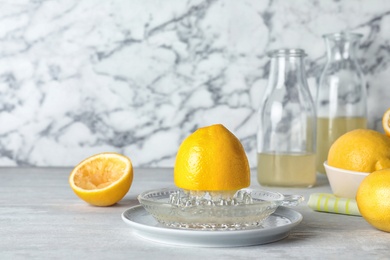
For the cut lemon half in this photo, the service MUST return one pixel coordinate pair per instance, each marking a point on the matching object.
(212, 159)
(102, 179)
(386, 122)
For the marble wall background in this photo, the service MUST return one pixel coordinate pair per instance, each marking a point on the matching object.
(78, 77)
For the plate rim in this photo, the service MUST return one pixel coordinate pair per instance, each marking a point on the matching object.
(140, 229)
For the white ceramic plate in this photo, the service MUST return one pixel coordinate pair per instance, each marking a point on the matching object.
(275, 227)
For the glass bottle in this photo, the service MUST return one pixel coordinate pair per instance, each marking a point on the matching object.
(286, 136)
(341, 101)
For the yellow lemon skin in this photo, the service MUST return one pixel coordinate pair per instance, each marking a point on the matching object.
(102, 179)
(373, 199)
(211, 159)
(386, 122)
(361, 150)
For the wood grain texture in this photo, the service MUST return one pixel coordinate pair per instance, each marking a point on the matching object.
(41, 218)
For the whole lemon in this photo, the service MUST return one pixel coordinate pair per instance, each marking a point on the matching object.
(373, 199)
(362, 150)
(211, 159)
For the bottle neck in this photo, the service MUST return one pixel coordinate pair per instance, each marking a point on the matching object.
(287, 71)
(341, 46)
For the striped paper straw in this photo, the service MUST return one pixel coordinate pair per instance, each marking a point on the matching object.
(325, 202)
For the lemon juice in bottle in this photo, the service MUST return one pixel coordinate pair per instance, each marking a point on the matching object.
(286, 133)
(341, 97)
(288, 170)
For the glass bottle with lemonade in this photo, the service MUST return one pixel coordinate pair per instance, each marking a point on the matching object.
(287, 124)
(341, 97)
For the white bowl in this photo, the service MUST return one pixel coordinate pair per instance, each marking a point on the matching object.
(344, 183)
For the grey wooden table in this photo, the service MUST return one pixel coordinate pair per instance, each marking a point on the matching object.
(41, 218)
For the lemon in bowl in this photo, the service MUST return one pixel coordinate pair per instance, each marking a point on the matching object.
(353, 156)
(361, 150)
